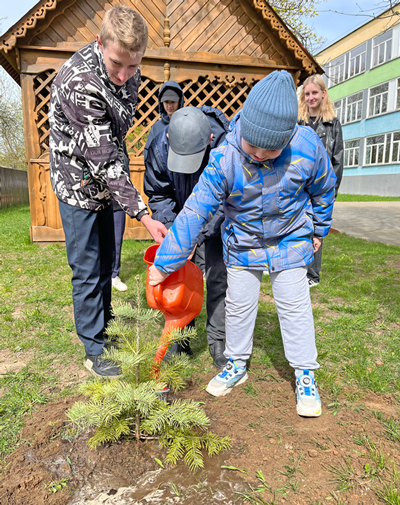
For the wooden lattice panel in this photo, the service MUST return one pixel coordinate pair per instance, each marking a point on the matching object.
(229, 98)
(146, 115)
(41, 84)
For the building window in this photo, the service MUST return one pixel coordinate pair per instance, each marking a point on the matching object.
(357, 60)
(336, 70)
(382, 149)
(339, 109)
(354, 107)
(382, 48)
(378, 99)
(396, 148)
(351, 153)
(398, 94)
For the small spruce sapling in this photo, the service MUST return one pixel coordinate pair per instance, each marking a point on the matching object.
(131, 407)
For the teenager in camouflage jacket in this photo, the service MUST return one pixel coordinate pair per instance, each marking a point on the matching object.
(89, 118)
(92, 106)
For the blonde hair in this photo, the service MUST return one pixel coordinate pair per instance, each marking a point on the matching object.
(126, 28)
(326, 111)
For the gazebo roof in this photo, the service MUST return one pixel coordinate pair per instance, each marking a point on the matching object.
(261, 27)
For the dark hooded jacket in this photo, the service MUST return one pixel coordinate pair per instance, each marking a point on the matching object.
(159, 125)
(168, 191)
(330, 133)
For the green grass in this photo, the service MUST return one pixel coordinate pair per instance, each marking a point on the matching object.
(356, 312)
(366, 198)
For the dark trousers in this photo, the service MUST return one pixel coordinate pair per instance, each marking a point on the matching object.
(217, 283)
(119, 228)
(314, 268)
(89, 238)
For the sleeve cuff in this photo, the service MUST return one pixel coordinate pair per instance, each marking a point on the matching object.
(142, 213)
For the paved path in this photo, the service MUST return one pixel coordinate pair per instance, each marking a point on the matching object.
(377, 221)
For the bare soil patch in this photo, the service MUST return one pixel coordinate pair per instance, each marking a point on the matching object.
(14, 361)
(266, 433)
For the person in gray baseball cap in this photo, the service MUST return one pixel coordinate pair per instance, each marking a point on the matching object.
(175, 160)
(189, 134)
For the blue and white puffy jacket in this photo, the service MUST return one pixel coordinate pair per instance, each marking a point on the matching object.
(272, 209)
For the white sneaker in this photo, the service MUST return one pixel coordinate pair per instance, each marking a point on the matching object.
(231, 376)
(312, 283)
(308, 400)
(118, 284)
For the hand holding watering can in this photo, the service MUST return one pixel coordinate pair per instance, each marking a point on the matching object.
(157, 276)
(178, 296)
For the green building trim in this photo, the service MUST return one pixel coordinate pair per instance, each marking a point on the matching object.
(382, 73)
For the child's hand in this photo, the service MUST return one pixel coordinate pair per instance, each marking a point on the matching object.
(156, 276)
(316, 243)
(192, 253)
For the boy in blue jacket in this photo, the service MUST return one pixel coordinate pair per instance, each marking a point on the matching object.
(277, 187)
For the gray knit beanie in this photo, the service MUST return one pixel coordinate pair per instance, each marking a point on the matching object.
(269, 115)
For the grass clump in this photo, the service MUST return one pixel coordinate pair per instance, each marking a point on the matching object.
(366, 198)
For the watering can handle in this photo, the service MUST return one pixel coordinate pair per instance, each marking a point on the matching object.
(157, 293)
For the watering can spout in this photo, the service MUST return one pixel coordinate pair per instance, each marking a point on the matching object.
(179, 298)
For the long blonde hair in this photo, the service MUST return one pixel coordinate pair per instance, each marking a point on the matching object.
(326, 111)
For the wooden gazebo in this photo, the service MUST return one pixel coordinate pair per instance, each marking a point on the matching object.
(216, 50)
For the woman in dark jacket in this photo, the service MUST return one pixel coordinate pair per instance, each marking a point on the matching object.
(170, 99)
(316, 110)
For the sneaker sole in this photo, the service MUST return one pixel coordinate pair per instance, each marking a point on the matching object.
(89, 366)
(216, 392)
(303, 412)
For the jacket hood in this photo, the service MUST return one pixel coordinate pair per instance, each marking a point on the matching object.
(175, 87)
(218, 122)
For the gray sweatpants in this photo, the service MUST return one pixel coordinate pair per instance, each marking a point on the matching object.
(293, 304)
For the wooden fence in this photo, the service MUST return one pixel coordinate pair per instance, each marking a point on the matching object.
(13, 187)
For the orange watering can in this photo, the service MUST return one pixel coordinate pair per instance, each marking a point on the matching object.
(179, 298)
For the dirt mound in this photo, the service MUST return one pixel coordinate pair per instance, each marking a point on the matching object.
(296, 456)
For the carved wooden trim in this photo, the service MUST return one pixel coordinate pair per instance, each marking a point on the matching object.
(167, 72)
(30, 22)
(285, 35)
(166, 33)
(39, 170)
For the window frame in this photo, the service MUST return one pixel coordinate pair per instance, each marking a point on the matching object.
(397, 106)
(388, 149)
(375, 97)
(350, 152)
(354, 58)
(387, 39)
(358, 105)
(339, 62)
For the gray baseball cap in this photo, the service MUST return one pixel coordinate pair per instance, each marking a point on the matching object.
(189, 132)
(171, 95)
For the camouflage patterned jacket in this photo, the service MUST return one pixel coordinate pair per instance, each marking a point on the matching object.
(272, 209)
(89, 117)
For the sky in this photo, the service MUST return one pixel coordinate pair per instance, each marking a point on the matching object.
(329, 25)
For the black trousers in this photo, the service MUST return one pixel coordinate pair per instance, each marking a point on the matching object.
(314, 268)
(89, 238)
(119, 228)
(217, 283)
